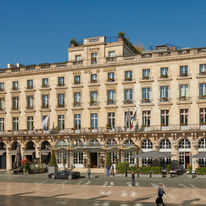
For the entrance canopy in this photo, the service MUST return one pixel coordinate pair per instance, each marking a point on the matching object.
(152, 154)
(201, 155)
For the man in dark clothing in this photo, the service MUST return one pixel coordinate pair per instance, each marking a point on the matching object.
(161, 191)
(133, 179)
(89, 172)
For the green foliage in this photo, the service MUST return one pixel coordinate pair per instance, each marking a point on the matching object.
(53, 162)
(108, 160)
(168, 168)
(201, 171)
(121, 35)
(74, 42)
(122, 167)
(190, 169)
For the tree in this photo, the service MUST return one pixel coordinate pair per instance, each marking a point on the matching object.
(53, 162)
(108, 160)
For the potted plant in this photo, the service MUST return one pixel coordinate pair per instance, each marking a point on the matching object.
(183, 98)
(164, 75)
(52, 164)
(128, 101)
(146, 77)
(26, 166)
(121, 36)
(164, 99)
(73, 42)
(183, 74)
(60, 84)
(146, 100)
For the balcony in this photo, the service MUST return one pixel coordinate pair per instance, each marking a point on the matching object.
(45, 86)
(184, 100)
(29, 107)
(29, 87)
(146, 79)
(164, 77)
(201, 75)
(111, 101)
(76, 104)
(93, 103)
(93, 83)
(111, 59)
(129, 81)
(146, 100)
(128, 101)
(77, 62)
(184, 76)
(45, 106)
(165, 101)
(60, 84)
(60, 105)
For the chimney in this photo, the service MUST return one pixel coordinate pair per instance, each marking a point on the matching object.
(19, 65)
(9, 66)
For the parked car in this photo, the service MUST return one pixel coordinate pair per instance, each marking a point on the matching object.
(64, 175)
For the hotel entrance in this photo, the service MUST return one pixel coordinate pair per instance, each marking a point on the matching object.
(93, 159)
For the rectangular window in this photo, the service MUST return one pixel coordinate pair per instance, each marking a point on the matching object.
(29, 84)
(164, 93)
(60, 81)
(146, 74)
(164, 72)
(164, 118)
(203, 116)
(93, 58)
(60, 100)
(111, 77)
(93, 98)
(45, 82)
(1, 86)
(78, 58)
(1, 104)
(202, 69)
(183, 92)
(46, 126)
(77, 99)
(94, 120)
(77, 80)
(111, 119)
(183, 71)
(15, 85)
(111, 54)
(146, 95)
(202, 91)
(93, 78)
(77, 121)
(128, 96)
(128, 75)
(15, 103)
(1, 124)
(45, 101)
(61, 122)
(146, 116)
(128, 157)
(30, 124)
(183, 117)
(110, 97)
(30, 102)
(78, 157)
(15, 123)
(127, 117)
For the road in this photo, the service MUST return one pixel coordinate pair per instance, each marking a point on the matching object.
(100, 190)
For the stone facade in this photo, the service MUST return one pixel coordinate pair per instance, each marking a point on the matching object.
(137, 81)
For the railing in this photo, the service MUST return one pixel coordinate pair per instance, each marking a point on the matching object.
(111, 101)
(152, 128)
(184, 98)
(128, 101)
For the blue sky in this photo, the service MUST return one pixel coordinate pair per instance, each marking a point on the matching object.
(33, 32)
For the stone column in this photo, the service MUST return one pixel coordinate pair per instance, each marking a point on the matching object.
(194, 151)
(85, 159)
(8, 158)
(175, 151)
(71, 158)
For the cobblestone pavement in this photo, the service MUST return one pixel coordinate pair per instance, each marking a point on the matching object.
(100, 190)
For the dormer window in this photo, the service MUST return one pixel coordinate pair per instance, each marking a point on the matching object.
(111, 54)
(93, 58)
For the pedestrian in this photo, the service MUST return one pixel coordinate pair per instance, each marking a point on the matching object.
(112, 170)
(89, 172)
(159, 199)
(126, 170)
(133, 179)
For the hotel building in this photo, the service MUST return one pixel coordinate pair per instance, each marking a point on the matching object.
(90, 98)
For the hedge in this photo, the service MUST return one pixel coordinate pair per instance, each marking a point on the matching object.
(201, 171)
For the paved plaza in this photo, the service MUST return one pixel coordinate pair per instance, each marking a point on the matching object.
(99, 190)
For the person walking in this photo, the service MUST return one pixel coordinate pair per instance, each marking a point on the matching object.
(89, 172)
(133, 179)
(161, 192)
(112, 170)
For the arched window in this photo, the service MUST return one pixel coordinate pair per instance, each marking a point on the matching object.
(44, 144)
(14, 146)
(129, 142)
(2, 146)
(165, 144)
(94, 142)
(184, 143)
(111, 142)
(202, 144)
(30, 145)
(146, 144)
(78, 143)
(61, 143)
